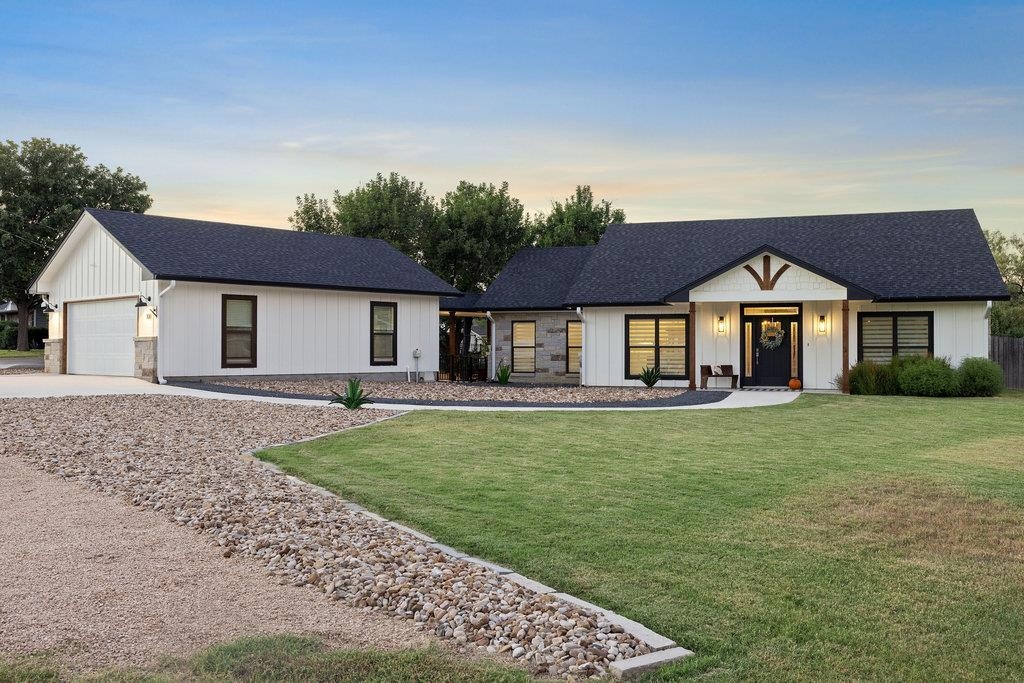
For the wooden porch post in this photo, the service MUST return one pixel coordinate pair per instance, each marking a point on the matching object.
(691, 346)
(846, 346)
(452, 345)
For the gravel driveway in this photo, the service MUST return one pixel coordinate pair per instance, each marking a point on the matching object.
(105, 585)
(179, 456)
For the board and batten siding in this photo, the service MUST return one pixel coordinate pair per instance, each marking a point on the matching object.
(298, 331)
(960, 328)
(92, 266)
(960, 331)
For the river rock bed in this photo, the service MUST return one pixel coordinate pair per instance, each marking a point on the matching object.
(180, 456)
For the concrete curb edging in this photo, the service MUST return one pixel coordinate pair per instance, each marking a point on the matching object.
(663, 650)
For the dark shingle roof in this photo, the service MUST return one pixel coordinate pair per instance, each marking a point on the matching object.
(890, 256)
(462, 302)
(535, 278)
(184, 249)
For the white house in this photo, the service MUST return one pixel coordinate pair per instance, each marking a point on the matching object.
(770, 300)
(159, 297)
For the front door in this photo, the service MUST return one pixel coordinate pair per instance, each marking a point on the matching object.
(771, 345)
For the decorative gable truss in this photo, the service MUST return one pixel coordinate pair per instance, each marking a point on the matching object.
(768, 278)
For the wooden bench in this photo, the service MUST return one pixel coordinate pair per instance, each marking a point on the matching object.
(707, 372)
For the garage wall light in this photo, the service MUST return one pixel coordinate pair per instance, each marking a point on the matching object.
(822, 324)
(146, 302)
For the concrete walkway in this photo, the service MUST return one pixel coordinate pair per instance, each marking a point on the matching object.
(43, 386)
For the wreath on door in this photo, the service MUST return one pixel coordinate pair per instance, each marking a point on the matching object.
(772, 334)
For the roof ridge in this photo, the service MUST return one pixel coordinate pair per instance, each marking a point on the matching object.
(798, 216)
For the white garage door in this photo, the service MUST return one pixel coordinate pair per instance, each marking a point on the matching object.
(101, 337)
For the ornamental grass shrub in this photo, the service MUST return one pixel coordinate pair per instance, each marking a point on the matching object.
(864, 378)
(929, 377)
(980, 377)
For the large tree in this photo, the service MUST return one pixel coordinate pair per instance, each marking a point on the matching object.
(43, 187)
(579, 220)
(479, 228)
(1008, 316)
(391, 208)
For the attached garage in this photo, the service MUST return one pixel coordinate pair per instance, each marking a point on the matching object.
(100, 337)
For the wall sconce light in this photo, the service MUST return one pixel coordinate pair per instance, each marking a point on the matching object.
(720, 326)
(822, 324)
(48, 307)
(146, 302)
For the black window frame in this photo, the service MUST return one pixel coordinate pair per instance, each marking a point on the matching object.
(657, 342)
(393, 305)
(568, 370)
(224, 298)
(895, 315)
(533, 346)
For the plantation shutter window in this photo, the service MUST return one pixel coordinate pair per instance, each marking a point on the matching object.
(884, 336)
(524, 346)
(573, 346)
(238, 331)
(383, 333)
(656, 342)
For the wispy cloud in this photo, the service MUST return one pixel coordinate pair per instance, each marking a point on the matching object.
(936, 101)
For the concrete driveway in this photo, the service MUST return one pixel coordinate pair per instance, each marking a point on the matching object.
(47, 386)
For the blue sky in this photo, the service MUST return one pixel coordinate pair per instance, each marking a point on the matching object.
(672, 110)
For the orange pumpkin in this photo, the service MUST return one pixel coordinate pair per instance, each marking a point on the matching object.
(794, 384)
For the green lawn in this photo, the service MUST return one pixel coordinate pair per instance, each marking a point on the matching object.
(836, 537)
(9, 353)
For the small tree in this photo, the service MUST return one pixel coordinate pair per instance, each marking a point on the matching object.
(580, 220)
(43, 187)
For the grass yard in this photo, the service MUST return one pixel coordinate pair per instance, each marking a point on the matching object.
(283, 658)
(10, 353)
(836, 537)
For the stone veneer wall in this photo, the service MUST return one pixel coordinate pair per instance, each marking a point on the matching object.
(145, 358)
(53, 355)
(550, 352)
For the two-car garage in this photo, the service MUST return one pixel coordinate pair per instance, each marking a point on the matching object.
(100, 337)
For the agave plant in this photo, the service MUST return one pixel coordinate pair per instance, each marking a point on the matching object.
(354, 396)
(504, 373)
(650, 376)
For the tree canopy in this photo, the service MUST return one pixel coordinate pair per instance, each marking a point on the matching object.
(391, 208)
(479, 228)
(579, 220)
(43, 187)
(1008, 250)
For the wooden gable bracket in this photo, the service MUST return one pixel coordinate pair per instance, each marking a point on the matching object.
(767, 281)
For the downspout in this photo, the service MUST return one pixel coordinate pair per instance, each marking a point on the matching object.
(583, 347)
(494, 333)
(159, 328)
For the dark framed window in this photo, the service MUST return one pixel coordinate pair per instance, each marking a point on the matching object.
(883, 336)
(383, 333)
(573, 346)
(238, 331)
(656, 341)
(524, 346)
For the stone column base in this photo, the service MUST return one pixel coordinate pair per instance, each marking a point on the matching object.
(53, 356)
(145, 358)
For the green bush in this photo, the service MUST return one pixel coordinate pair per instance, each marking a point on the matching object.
(929, 377)
(980, 377)
(864, 378)
(8, 334)
(650, 376)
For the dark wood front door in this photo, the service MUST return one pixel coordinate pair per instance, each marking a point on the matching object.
(771, 349)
